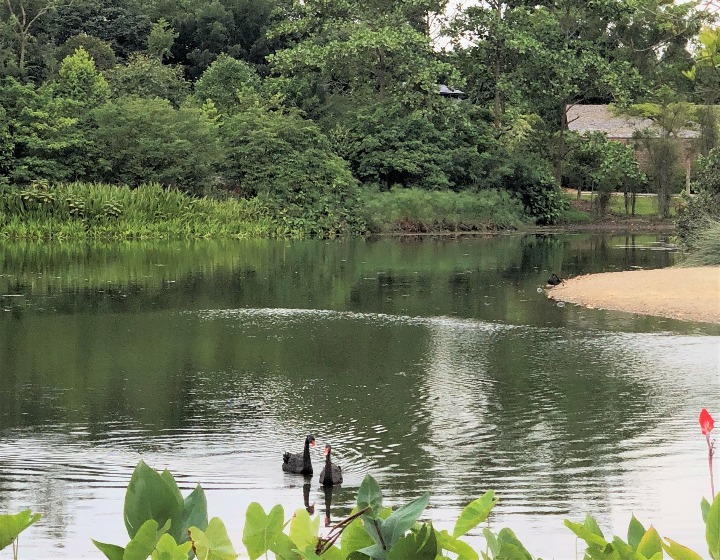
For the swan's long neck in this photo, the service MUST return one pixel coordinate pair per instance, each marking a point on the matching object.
(328, 468)
(307, 464)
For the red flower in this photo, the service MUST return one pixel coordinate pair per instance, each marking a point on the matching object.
(706, 422)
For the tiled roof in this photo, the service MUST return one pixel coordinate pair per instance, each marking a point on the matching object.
(599, 118)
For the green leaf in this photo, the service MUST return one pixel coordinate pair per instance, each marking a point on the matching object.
(591, 525)
(12, 525)
(111, 551)
(508, 541)
(370, 495)
(168, 549)
(712, 528)
(679, 552)
(283, 547)
(261, 529)
(194, 512)
(150, 496)
(214, 543)
(145, 540)
(650, 544)
(635, 532)
(451, 544)
(704, 508)
(585, 534)
(354, 538)
(303, 530)
(402, 519)
(421, 545)
(474, 513)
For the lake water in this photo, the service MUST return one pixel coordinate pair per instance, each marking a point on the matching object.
(433, 364)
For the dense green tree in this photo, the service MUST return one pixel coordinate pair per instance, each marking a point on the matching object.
(366, 50)
(287, 160)
(229, 83)
(121, 23)
(79, 81)
(146, 76)
(100, 51)
(208, 28)
(147, 140)
(161, 39)
(47, 141)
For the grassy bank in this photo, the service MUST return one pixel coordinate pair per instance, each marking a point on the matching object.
(95, 211)
(583, 210)
(421, 211)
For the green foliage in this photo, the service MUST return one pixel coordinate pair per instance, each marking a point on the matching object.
(100, 51)
(704, 245)
(696, 210)
(229, 83)
(287, 162)
(213, 543)
(84, 211)
(415, 210)
(157, 518)
(147, 140)
(12, 525)
(79, 81)
(146, 76)
(161, 39)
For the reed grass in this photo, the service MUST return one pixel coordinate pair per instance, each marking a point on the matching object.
(98, 211)
(416, 210)
(704, 248)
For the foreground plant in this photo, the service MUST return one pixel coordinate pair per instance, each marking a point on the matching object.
(12, 525)
(159, 521)
(706, 426)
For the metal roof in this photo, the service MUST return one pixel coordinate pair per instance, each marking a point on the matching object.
(599, 118)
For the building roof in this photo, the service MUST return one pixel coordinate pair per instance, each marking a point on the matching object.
(449, 92)
(599, 118)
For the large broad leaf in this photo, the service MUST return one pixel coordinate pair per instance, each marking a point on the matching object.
(712, 528)
(303, 530)
(169, 479)
(474, 513)
(585, 534)
(284, 548)
(679, 552)
(150, 496)
(261, 529)
(420, 545)
(213, 543)
(591, 525)
(111, 551)
(635, 532)
(12, 525)
(451, 544)
(145, 540)
(194, 512)
(370, 495)
(704, 509)
(168, 549)
(402, 519)
(650, 544)
(354, 538)
(509, 541)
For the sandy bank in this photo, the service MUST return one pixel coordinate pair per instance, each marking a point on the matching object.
(688, 294)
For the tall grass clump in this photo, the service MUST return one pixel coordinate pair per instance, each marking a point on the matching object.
(97, 211)
(704, 246)
(422, 211)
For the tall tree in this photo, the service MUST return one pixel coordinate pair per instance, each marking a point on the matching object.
(24, 17)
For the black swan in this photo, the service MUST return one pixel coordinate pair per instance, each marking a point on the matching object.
(299, 463)
(554, 280)
(331, 474)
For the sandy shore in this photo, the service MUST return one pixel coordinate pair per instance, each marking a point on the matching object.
(688, 294)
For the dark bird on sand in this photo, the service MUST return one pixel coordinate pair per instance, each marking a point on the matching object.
(554, 280)
(331, 474)
(299, 463)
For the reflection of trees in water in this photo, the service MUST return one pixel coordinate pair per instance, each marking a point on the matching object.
(539, 416)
